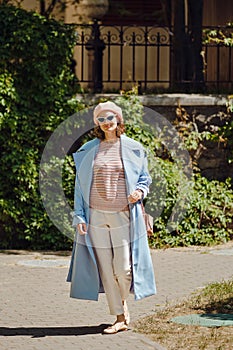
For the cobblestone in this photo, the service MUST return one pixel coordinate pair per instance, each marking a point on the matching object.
(36, 312)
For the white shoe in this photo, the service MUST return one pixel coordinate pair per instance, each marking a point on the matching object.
(116, 327)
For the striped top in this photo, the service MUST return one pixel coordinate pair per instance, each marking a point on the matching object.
(108, 191)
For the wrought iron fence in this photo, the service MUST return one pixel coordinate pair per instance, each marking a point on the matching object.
(116, 57)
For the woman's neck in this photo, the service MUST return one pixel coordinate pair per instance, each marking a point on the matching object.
(110, 136)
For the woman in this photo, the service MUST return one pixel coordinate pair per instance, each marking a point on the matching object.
(111, 252)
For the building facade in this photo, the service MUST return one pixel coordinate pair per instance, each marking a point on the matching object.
(133, 44)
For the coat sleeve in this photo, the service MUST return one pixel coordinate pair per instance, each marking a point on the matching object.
(78, 214)
(144, 179)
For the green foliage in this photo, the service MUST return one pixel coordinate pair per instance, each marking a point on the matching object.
(221, 36)
(133, 119)
(225, 133)
(209, 211)
(36, 88)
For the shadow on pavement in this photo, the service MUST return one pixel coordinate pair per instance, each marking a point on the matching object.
(38, 332)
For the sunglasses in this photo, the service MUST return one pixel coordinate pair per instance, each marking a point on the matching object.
(109, 118)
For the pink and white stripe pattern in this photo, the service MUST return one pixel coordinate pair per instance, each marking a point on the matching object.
(108, 190)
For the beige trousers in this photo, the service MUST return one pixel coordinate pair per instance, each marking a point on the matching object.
(110, 237)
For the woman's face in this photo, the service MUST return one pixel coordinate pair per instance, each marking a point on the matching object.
(107, 121)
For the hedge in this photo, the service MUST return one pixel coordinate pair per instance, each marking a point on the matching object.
(36, 90)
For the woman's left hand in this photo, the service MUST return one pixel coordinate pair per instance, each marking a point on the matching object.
(135, 196)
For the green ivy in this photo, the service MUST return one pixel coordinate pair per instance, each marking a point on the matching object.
(36, 95)
(209, 213)
(221, 36)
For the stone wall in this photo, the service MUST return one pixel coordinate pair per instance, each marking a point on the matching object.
(211, 157)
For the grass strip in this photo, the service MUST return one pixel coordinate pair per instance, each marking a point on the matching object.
(213, 299)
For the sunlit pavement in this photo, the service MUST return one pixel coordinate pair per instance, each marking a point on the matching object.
(38, 314)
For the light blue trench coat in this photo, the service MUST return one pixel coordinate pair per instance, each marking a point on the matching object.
(83, 272)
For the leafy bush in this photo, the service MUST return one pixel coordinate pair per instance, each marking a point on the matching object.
(209, 213)
(36, 87)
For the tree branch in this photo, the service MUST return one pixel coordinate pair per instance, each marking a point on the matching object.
(51, 7)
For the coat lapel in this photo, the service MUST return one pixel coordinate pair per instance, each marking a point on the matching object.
(132, 162)
(84, 160)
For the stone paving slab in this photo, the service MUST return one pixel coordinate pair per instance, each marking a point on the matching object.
(36, 312)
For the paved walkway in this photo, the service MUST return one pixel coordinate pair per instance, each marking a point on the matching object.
(37, 314)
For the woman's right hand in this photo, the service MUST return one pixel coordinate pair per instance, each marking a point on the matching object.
(82, 229)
